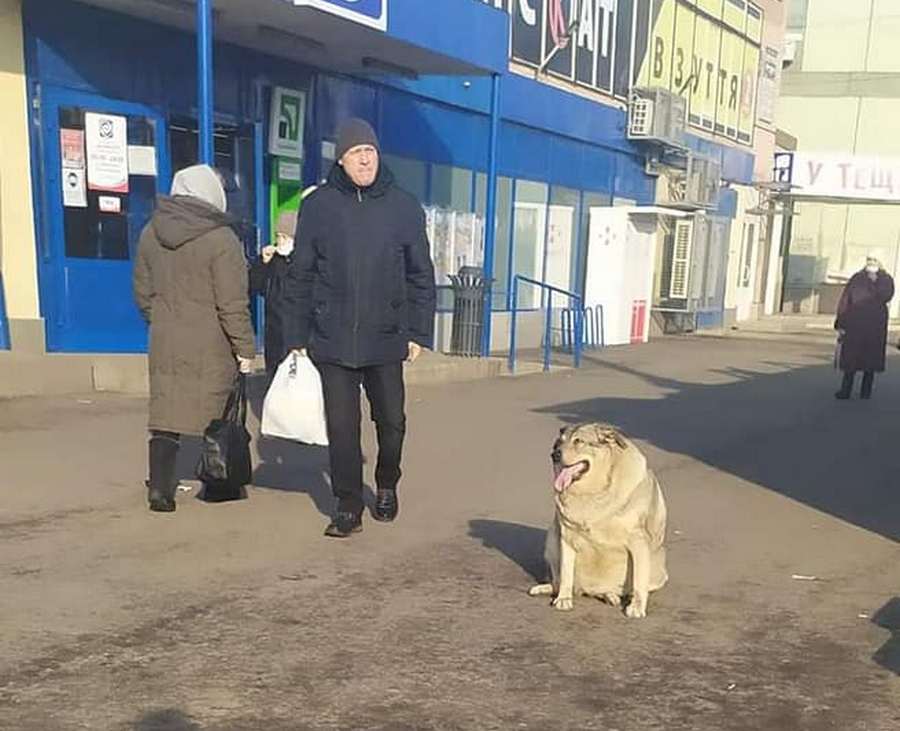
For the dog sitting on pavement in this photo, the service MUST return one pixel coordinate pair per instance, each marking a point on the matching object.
(607, 536)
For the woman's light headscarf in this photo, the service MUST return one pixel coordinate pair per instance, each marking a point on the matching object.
(873, 263)
(201, 181)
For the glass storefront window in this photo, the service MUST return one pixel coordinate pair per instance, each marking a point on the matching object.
(579, 268)
(530, 230)
(501, 243)
(480, 193)
(113, 232)
(411, 175)
(451, 188)
(562, 249)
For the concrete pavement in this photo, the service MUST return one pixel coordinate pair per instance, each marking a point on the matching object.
(241, 616)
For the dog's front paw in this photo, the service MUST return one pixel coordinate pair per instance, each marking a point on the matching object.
(563, 603)
(541, 590)
(637, 607)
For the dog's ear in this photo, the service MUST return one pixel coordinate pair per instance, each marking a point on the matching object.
(618, 438)
(563, 430)
(609, 435)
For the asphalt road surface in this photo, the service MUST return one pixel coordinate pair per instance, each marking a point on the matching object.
(782, 613)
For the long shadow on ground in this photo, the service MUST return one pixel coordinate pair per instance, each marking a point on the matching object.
(522, 544)
(888, 617)
(783, 431)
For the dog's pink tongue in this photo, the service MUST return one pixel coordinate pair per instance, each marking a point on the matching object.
(565, 476)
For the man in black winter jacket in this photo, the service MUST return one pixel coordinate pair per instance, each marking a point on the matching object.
(360, 293)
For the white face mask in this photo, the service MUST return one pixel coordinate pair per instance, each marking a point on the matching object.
(284, 244)
(872, 268)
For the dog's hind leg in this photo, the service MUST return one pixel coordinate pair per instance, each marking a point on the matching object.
(541, 590)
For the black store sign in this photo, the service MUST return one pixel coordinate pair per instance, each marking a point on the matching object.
(594, 38)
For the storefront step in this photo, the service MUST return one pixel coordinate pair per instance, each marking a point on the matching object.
(24, 374)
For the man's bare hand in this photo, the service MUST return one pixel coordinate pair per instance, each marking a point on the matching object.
(267, 253)
(415, 350)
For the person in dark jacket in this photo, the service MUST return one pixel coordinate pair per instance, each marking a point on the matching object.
(361, 292)
(862, 321)
(190, 284)
(267, 278)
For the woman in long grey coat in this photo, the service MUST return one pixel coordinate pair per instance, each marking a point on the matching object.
(862, 320)
(190, 283)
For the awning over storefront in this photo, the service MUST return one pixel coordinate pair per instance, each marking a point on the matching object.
(656, 211)
(359, 37)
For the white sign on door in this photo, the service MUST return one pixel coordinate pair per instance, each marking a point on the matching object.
(74, 192)
(107, 152)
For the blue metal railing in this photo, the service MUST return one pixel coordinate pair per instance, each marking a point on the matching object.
(548, 322)
(593, 331)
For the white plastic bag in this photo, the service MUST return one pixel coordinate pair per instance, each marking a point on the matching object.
(294, 407)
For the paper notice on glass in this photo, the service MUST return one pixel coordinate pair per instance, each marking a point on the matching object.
(289, 171)
(106, 136)
(110, 204)
(142, 160)
(71, 142)
(74, 188)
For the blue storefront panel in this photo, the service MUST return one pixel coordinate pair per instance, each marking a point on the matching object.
(438, 123)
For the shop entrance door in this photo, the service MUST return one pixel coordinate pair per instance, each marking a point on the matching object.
(235, 158)
(103, 163)
(238, 158)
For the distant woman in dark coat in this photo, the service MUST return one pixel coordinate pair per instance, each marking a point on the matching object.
(267, 277)
(862, 320)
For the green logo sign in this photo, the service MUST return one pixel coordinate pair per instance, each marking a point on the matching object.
(286, 127)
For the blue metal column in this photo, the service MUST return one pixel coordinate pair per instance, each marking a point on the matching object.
(261, 209)
(5, 343)
(490, 215)
(205, 103)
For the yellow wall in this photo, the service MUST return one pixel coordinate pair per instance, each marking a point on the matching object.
(16, 215)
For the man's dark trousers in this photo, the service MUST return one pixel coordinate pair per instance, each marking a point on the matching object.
(386, 393)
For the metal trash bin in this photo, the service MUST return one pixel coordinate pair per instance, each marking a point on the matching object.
(469, 288)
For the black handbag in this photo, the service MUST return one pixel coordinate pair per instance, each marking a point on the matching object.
(225, 467)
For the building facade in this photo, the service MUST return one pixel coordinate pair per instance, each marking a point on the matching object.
(106, 109)
(840, 97)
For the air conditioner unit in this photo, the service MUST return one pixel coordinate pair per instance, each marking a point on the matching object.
(696, 187)
(657, 115)
(679, 279)
(703, 179)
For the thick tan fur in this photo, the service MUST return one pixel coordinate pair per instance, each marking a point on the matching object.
(607, 536)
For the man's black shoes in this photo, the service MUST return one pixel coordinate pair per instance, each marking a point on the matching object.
(344, 524)
(386, 506)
